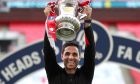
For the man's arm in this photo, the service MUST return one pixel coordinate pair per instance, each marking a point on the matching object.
(89, 54)
(51, 65)
(49, 57)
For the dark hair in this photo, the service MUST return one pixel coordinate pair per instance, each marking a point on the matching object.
(70, 43)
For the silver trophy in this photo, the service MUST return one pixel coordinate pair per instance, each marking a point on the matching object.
(67, 22)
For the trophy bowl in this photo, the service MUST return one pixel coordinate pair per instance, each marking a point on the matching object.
(67, 22)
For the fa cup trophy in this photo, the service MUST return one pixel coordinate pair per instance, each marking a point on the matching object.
(66, 22)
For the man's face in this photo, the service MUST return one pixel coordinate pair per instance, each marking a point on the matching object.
(71, 57)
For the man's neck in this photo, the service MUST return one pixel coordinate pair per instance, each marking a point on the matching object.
(70, 71)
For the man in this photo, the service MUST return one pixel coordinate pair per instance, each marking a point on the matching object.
(70, 55)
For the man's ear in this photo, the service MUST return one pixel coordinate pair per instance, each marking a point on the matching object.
(79, 58)
(61, 56)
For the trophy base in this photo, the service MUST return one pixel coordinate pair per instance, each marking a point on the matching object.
(67, 27)
(66, 32)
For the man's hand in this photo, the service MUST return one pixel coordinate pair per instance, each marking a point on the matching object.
(87, 19)
(47, 10)
(88, 11)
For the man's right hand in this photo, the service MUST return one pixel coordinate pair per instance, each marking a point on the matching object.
(47, 10)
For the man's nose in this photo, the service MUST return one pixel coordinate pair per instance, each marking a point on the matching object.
(71, 56)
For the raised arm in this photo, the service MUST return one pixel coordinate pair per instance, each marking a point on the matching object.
(89, 54)
(51, 65)
(49, 55)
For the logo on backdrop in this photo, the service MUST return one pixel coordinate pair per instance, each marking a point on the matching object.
(108, 48)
